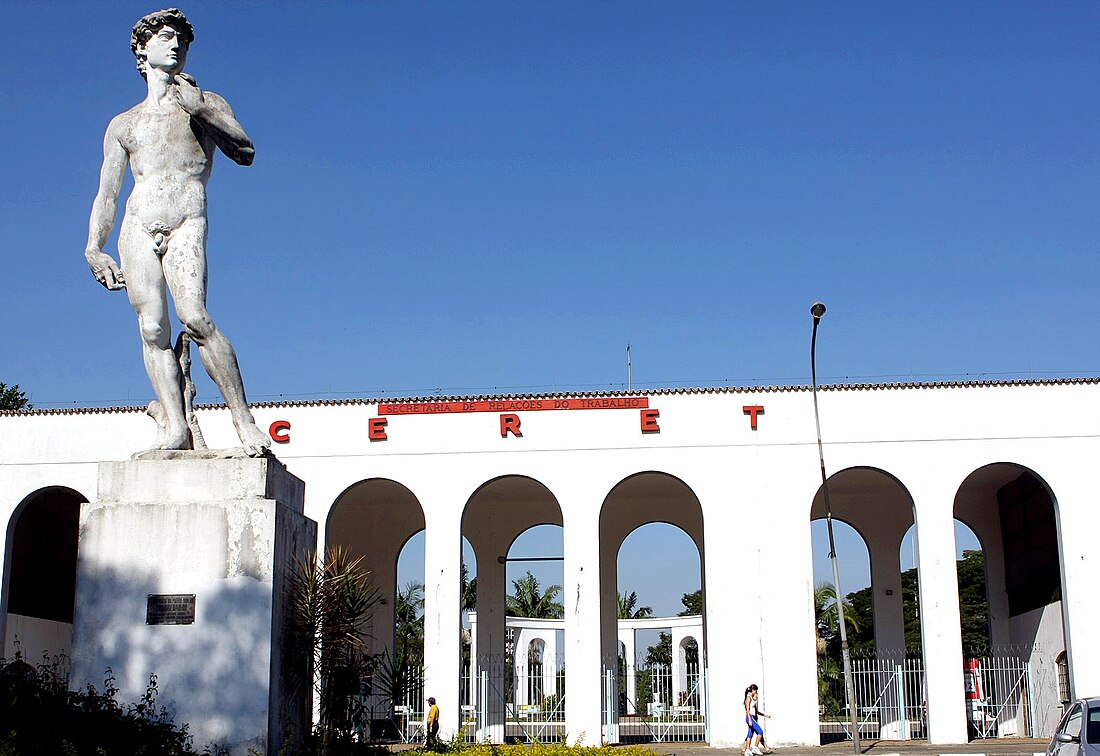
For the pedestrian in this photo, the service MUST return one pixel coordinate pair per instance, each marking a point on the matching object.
(433, 723)
(755, 734)
(757, 712)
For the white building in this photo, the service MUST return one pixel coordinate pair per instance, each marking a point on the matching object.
(736, 469)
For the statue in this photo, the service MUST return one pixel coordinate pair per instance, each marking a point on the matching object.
(168, 140)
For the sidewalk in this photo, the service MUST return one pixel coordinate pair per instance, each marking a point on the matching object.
(1001, 747)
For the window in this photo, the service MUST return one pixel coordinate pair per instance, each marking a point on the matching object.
(1093, 728)
(1063, 677)
(1072, 725)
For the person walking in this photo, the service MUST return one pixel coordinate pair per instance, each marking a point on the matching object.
(755, 735)
(757, 712)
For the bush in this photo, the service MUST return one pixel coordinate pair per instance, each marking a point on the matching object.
(40, 715)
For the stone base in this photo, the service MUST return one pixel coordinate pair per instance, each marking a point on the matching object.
(226, 531)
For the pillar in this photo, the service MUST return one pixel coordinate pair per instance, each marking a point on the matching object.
(442, 613)
(584, 699)
(941, 637)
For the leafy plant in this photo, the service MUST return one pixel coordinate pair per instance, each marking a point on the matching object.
(329, 603)
(40, 715)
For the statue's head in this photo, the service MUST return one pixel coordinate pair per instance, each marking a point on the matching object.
(151, 24)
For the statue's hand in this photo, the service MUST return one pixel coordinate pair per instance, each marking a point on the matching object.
(188, 94)
(105, 270)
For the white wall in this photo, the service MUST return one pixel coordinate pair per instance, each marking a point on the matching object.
(928, 438)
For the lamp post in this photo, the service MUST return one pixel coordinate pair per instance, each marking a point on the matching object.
(817, 310)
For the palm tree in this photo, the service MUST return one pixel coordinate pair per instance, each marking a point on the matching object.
(408, 617)
(627, 610)
(469, 590)
(825, 612)
(528, 601)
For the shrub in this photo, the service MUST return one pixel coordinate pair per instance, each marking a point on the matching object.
(40, 715)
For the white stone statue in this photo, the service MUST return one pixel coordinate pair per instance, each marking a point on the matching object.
(168, 140)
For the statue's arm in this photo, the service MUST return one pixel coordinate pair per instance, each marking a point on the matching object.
(104, 209)
(216, 117)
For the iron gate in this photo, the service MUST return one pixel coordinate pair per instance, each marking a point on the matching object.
(891, 701)
(656, 703)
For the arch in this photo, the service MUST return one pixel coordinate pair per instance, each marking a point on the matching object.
(497, 513)
(1013, 512)
(878, 506)
(374, 519)
(639, 499)
(39, 582)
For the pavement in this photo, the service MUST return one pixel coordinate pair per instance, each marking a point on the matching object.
(1001, 747)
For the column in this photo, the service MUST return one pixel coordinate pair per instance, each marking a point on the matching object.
(1074, 487)
(442, 613)
(889, 618)
(491, 628)
(628, 637)
(584, 697)
(939, 613)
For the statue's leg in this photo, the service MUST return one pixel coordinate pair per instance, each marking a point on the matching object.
(145, 287)
(185, 270)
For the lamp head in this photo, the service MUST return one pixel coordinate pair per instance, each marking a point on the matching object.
(817, 310)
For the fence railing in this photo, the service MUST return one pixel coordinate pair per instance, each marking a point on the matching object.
(891, 700)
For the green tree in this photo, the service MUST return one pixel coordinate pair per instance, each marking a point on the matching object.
(825, 612)
(627, 608)
(469, 590)
(408, 618)
(11, 398)
(528, 600)
(973, 603)
(859, 615)
(661, 653)
(693, 603)
(910, 607)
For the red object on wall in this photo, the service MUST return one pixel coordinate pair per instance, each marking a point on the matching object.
(972, 679)
(510, 424)
(376, 429)
(649, 421)
(514, 405)
(752, 410)
(278, 431)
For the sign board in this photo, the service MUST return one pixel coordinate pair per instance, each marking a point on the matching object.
(170, 609)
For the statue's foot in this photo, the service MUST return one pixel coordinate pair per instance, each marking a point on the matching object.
(255, 441)
(170, 437)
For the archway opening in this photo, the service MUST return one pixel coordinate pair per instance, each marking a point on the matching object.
(652, 617)
(376, 520)
(871, 512)
(40, 575)
(514, 528)
(1013, 688)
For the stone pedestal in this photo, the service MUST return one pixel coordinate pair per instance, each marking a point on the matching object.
(225, 531)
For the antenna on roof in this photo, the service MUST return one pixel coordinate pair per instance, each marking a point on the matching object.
(628, 382)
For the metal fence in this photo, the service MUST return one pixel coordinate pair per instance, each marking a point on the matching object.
(512, 702)
(1003, 702)
(646, 702)
(891, 699)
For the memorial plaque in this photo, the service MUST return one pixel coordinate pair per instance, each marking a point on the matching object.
(170, 609)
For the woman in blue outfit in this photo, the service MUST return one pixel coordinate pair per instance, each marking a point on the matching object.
(755, 736)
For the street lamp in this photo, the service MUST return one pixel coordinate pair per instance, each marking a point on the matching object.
(817, 310)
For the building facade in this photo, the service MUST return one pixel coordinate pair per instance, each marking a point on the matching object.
(735, 469)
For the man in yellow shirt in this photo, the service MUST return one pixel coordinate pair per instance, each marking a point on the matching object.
(433, 723)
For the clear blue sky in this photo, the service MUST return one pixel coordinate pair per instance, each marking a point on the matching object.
(481, 197)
